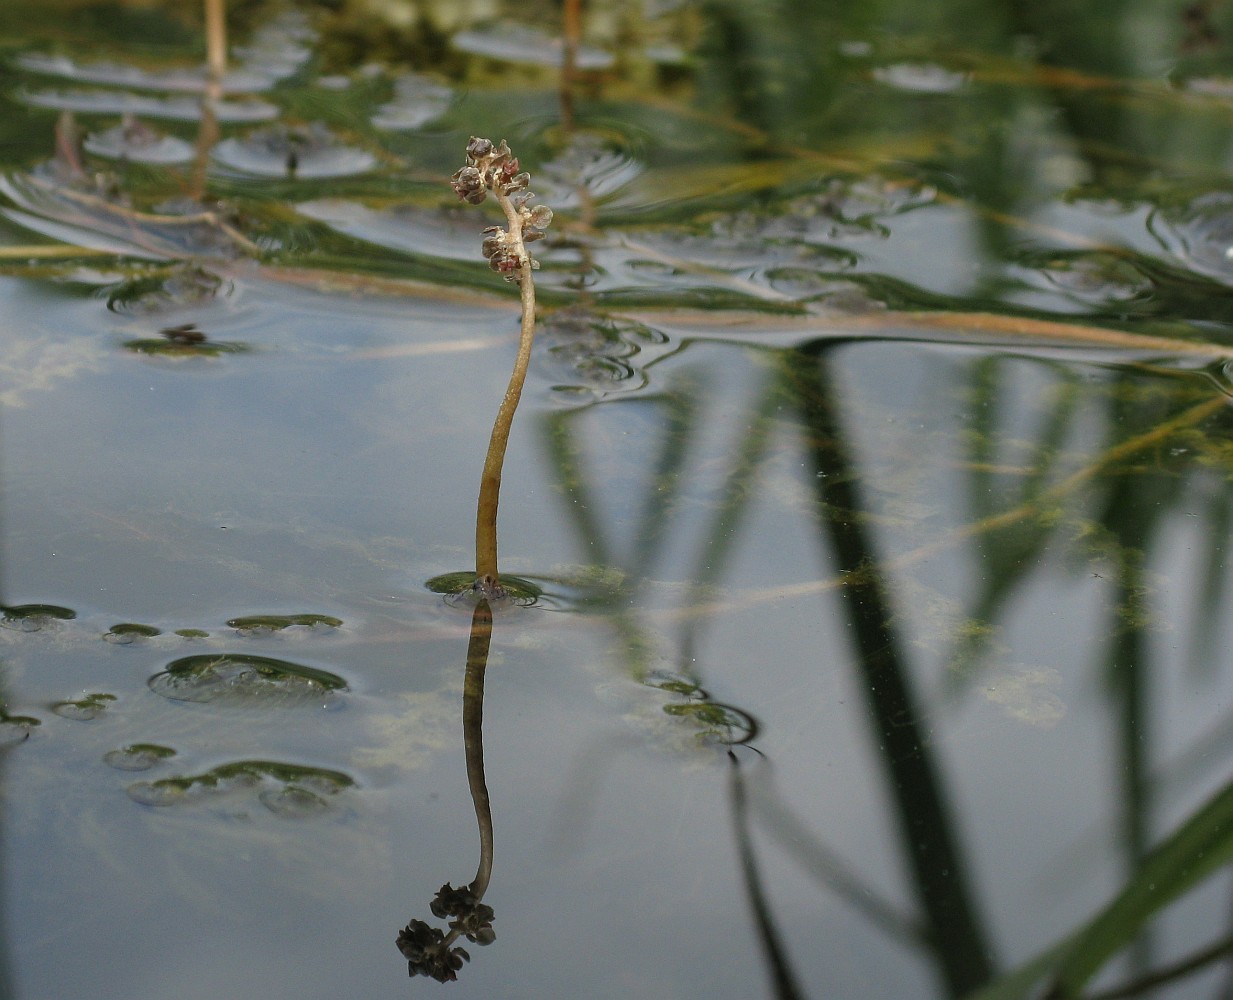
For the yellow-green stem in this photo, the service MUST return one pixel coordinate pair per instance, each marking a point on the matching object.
(216, 39)
(490, 483)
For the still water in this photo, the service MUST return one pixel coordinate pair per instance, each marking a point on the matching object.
(867, 503)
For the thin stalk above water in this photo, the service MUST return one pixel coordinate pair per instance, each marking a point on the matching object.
(494, 460)
(494, 168)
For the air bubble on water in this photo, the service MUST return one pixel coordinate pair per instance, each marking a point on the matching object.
(293, 802)
(137, 757)
(127, 633)
(921, 78)
(237, 678)
(135, 141)
(15, 729)
(519, 43)
(34, 617)
(299, 151)
(290, 791)
(157, 793)
(83, 709)
(417, 101)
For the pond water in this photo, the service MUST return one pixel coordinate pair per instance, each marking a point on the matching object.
(865, 510)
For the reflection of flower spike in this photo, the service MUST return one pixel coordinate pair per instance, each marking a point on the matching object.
(428, 952)
(473, 919)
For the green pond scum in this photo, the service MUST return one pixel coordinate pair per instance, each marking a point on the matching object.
(861, 625)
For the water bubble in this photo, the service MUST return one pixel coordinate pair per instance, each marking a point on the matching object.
(1095, 278)
(127, 633)
(595, 165)
(437, 232)
(46, 204)
(293, 802)
(156, 793)
(177, 287)
(15, 729)
(290, 791)
(595, 353)
(463, 588)
(921, 78)
(88, 707)
(417, 101)
(304, 151)
(723, 723)
(676, 683)
(135, 141)
(240, 678)
(34, 617)
(519, 43)
(193, 80)
(137, 757)
(119, 102)
(1200, 232)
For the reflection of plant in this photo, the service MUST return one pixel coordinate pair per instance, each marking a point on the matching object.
(430, 951)
(494, 168)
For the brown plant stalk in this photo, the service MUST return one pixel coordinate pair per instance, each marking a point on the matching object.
(494, 169)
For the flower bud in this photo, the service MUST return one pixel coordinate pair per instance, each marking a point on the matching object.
(478, 148)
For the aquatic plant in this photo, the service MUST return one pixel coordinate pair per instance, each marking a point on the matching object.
(494, 169)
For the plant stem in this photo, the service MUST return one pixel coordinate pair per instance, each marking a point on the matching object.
(490, 483)
(216, 39)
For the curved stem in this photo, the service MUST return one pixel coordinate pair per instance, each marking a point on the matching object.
(473, 737)
(490, 483)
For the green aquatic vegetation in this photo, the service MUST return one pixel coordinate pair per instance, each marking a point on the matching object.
(244, 679)
(34, 617)
(130, 632)
(277, 623)
(518, 589)
(290, 791)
